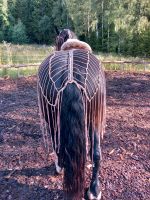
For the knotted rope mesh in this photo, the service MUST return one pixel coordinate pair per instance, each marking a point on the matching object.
(55, 73)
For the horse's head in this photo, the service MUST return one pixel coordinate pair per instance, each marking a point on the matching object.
(63, 36)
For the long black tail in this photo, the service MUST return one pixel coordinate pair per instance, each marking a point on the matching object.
(73, 145)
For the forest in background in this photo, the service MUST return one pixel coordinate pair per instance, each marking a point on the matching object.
(119, 26)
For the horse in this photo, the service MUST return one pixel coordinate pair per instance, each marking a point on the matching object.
(72, 103)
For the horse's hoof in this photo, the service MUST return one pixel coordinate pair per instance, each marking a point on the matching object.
(92, 197)
(59, 170)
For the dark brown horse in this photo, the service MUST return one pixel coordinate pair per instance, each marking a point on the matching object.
(71, 88)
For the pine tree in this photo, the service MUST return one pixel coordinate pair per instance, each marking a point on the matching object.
(19, 33)
(120, 26)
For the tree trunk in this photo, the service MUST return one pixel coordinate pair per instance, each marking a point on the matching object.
(102, 22)
(119, 43)
(108, 37)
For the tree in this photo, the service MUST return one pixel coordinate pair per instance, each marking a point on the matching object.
(19, 33)
(45, 27)
(3, 18)
(120, 26)
(1, 36)
(60, 14)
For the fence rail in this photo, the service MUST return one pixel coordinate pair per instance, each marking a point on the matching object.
(19, 65)
(127, 62)
(103, 62)
(27, 69)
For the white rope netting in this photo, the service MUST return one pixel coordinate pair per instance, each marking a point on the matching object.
(57, 71)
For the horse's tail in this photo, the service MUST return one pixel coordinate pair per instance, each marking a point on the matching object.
(73, 142)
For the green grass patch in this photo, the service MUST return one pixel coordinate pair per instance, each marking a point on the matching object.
(18, 72)
(20, 54)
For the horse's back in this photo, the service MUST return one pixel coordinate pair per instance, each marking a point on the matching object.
(63, 67)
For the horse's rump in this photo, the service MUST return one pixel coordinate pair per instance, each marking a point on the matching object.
(84, 70)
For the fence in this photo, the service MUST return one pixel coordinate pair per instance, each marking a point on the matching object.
(127, 65)
(17, 70)
(22, 60)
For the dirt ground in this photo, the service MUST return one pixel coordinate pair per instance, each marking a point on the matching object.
(26, 173)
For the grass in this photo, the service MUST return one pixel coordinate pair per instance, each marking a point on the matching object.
(18, 72)
(27, 54)
(127, 67)
(20, 54)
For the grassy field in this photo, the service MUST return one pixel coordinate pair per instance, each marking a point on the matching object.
(18, 54)
(28, 54)
(22, 54)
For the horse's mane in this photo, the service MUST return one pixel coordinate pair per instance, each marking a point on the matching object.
(75, 44)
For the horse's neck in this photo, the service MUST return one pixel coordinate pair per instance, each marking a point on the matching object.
(75, 44)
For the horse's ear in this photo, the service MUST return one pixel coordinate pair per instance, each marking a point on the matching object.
(56, 30)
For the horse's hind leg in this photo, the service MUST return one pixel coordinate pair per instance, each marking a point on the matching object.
(59, 168)
(59, 159)
(57, 156)
(94, 190)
